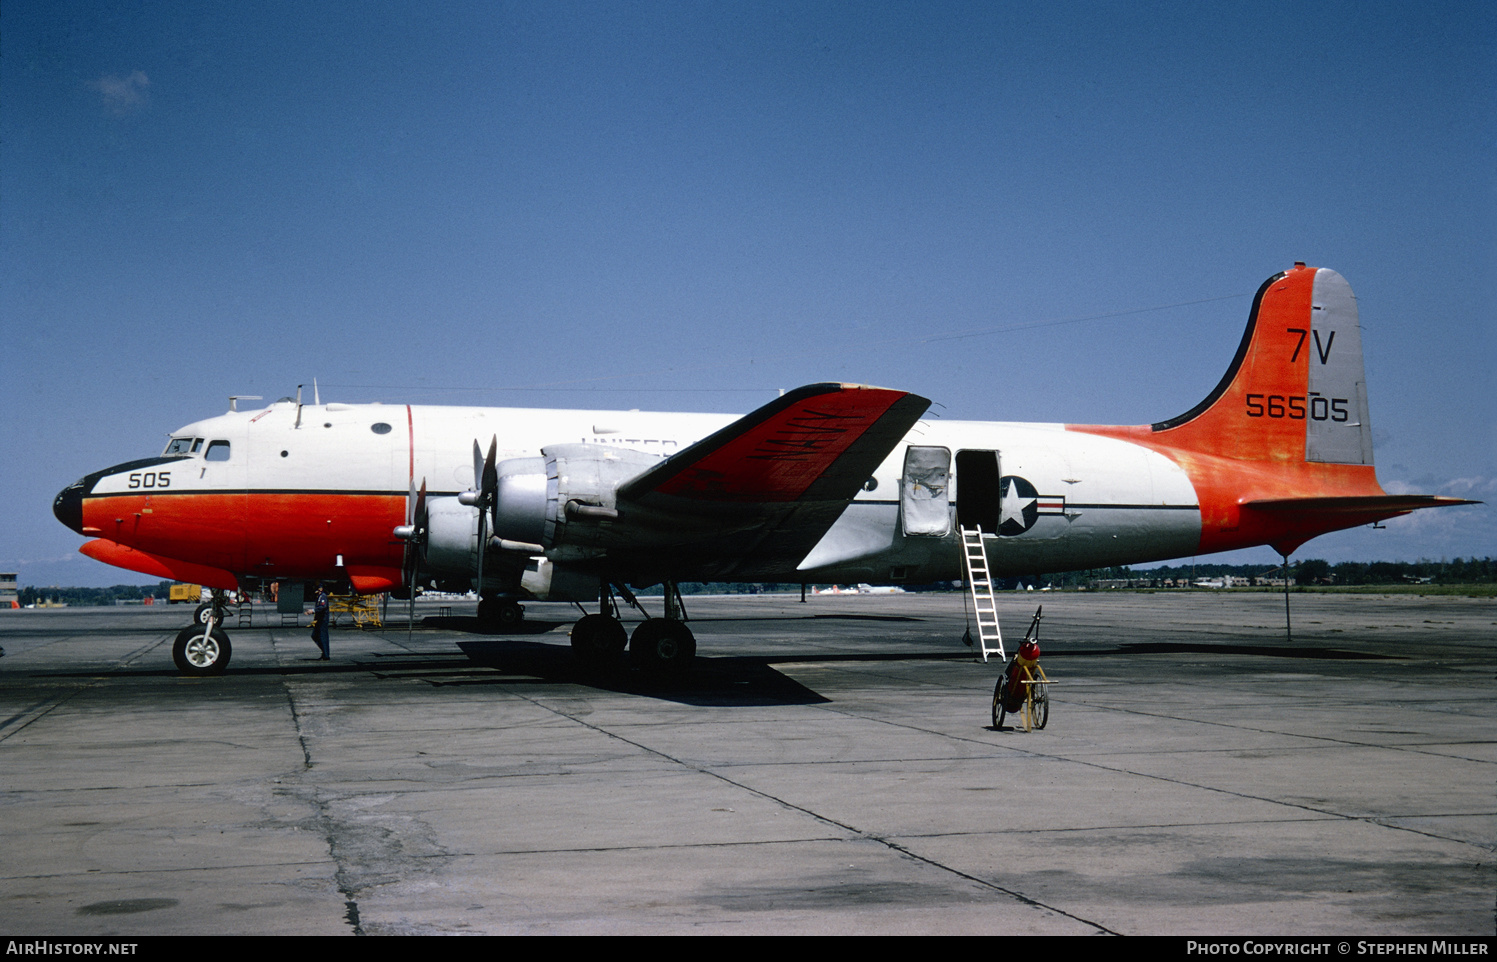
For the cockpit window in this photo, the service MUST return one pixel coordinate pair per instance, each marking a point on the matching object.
(182, 446)
(217, 451)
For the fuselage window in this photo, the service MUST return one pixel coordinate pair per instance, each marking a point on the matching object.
(380, 428)
(217, 451)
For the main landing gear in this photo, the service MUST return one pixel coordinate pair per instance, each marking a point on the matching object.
(496, 612)
(660, 646)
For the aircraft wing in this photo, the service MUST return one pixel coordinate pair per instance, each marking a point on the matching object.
(754, 498)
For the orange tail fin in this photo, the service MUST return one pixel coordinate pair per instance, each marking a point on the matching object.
(1296, 390)
(1281, 450)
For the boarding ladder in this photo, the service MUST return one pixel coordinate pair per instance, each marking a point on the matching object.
(980, 587)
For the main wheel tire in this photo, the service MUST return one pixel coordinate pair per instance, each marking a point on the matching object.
(663, 646)
(598, 640)
(200, 615)
(500, 613)
(200, 652)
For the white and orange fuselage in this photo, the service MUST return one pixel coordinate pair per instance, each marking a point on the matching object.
(1280, 452)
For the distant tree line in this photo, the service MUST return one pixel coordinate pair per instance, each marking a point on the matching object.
(83, 597)
(1311, 571)
(1460, 571)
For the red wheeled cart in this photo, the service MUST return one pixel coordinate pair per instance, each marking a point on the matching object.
(1023, 688)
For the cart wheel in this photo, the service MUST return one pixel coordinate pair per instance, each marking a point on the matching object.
(998, 705)
(1041, 705)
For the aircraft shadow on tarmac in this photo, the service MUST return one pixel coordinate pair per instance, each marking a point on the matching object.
(513, 662)
(712, 681)
(727, 681)
(473, 626)
(730, 681)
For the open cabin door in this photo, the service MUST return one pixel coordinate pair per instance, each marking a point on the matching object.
(978, 491)
(924, 506)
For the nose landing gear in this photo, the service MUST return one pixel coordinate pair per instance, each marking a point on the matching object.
(202, 648)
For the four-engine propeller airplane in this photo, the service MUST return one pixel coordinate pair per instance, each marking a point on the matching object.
(828, 483)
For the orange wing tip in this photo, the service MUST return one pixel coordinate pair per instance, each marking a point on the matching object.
(796, 447)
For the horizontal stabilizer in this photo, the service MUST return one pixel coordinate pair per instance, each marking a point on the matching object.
(1388, 504)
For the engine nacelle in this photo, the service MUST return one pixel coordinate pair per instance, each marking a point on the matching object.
(545, 581)
(451, 537)
(565, 497)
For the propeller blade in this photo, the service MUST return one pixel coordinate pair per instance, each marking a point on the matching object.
(414, 529)
(486, 484)
(490, 486)
(489, 479)
(482, 537)
(410, 605)
(415, 549)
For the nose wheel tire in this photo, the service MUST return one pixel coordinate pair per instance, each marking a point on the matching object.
(199, 652)
(200, 615)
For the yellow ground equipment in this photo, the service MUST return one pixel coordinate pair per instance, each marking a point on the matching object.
(363, 608)
(184, 594)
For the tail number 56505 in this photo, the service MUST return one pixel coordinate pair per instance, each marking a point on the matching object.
(1295, 407)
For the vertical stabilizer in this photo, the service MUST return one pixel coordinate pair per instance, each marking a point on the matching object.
(1296, 389)
(1281, 450)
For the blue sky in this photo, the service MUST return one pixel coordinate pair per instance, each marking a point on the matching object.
(687, 206)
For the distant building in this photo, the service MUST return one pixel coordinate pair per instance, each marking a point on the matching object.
(9, 597)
